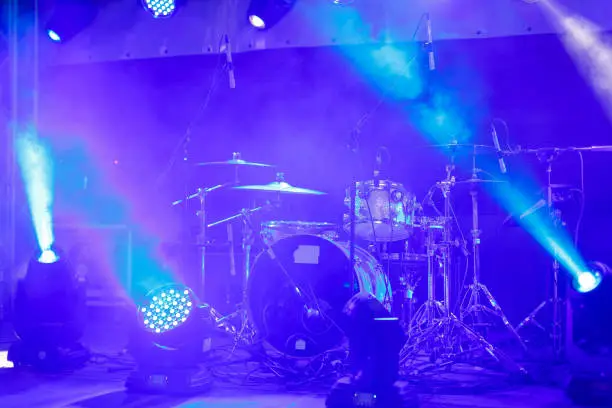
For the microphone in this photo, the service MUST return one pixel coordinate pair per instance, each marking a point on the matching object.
(500, 155)
(429, 44)
(229, 62)
(379, 160)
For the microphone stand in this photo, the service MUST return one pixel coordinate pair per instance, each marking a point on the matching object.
(557, 301)
(353, 146)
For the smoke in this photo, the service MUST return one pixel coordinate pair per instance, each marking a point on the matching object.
(36, 169)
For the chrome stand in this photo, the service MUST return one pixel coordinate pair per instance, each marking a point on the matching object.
(438, 339)
(438, 258)
(556, 302)
(471, 305)
(202, 238)
(243, 332)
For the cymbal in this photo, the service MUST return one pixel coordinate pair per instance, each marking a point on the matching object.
(467, 148)
(280, 187)
(234, 162)
(480, 181)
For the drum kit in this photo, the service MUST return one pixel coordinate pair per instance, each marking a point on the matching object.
(297, 276)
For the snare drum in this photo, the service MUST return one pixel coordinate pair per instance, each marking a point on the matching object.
(274, 231)
(384, 211)
(298, 288)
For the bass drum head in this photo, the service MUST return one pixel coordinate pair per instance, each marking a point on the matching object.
(297, 292)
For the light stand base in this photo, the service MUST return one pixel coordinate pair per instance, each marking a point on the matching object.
(176, 381)
(48, 358)
(347, 394)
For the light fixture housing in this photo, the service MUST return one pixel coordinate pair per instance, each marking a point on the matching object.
(375, 341)
(161, 8)
(265, 14)
(69, 17)
(589, 280)
(49, 314)
(170, 339)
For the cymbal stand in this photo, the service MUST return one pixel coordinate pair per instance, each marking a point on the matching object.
(202, 238)
(471, 305)
(446, 340)
(244, 333)
(556, 301)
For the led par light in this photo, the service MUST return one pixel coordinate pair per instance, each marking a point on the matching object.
(49, 315)
(171, 337)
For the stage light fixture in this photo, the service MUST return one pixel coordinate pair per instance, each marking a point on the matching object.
(70, 17)
(161, 8)
(375, 341)
(264, 14)
(49, 315)
(171, 337)
(589, 280)
(591, 380)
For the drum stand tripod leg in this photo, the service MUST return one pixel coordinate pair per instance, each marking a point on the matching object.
(471, 304)
(431, 310)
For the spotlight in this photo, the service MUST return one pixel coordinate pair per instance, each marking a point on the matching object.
(160, 8)
(591, 308)
(169, 342)
(375, 340)
(264, 14)
(70, 17)
(591, 380)
(49, 315)
(587, 281)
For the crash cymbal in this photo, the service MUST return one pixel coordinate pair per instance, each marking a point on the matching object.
(280, 187)
(466, 148)
(234, 162)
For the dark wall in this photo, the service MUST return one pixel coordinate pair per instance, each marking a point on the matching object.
(296, 108)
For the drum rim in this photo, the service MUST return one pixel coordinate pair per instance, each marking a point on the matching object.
(288, 223)
(381, 183)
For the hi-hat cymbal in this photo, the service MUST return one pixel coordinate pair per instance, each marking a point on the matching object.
(466, 148)
(280, 187)
(234, 162)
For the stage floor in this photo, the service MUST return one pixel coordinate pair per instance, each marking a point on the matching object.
(101, 385)
(97, 386)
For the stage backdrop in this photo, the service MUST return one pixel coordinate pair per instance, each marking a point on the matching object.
(296, 108)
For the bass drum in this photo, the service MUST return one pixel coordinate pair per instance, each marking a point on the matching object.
(297, 291)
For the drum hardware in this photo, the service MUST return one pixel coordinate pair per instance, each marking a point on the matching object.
(471, 304)
(244, 333)
(202, 192)
(557, 302)
(435, 330)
